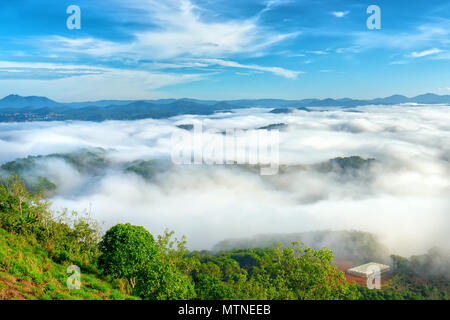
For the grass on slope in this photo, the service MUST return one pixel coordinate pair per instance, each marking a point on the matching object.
(26, 272)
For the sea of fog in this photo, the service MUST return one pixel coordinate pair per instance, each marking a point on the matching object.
(404, 198)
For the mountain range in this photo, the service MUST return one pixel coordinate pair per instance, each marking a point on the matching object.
(33, 108)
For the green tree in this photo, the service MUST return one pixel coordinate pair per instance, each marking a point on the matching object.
(162, 281)
(174, 252)
(22, 212)
(209, 287)
(310, 274)
(125, 250)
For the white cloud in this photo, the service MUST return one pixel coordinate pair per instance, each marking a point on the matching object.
(179, 30)
(443, 55)
(318, 52)
(340, 14)
(270, 4)
(399, 62)
(427, 34)
(290, 74)
(425, 53)
(82, 82)
(352, 49)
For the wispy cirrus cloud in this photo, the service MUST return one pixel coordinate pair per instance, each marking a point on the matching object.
(44, 70)
(179, 29)
(318, 52)
(208, 63)
(83, 82)
(351, 49)
(424, 53)
(398, 62)
(435, 53)
(271, 4)
(160, 37)
(290, 74)
(423, 35)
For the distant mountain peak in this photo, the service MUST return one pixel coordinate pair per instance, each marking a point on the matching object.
(16, 101)
(427, 94)
(12, 97)
(397, 96)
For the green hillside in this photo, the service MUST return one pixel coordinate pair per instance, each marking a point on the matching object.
(38, 246)
(27, 272)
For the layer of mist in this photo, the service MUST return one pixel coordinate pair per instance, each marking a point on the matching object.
(379, 169)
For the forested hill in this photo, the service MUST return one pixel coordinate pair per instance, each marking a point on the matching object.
(356, 246)
(37, 171)
(40, 253)
(15, 108)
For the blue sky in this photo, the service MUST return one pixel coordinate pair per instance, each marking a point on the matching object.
(224, 49)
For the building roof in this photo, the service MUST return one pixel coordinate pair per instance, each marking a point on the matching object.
(367, 269)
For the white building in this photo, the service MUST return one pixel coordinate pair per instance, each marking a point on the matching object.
(368, 269)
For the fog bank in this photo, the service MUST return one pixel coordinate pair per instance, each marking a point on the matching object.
(403, 197)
